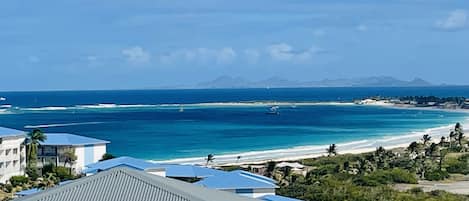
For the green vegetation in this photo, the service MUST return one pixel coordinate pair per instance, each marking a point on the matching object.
(107, 156)
(18, 180)
(371, 176)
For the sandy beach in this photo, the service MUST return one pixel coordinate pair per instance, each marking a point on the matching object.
(304, 152)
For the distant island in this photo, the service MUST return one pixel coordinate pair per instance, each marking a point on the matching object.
(278, 82)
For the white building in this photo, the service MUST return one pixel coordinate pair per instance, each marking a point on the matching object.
(88, 150)
(12, 153)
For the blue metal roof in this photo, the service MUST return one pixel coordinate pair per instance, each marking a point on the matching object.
(37, 190)
(6, 132)
(189, 171)
(70, 139)
(237, 180)
(277, 198)
(172, 170)
(120, 161)
(28, 192)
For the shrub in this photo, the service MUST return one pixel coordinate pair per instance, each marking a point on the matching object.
(386, 177)
(436, 175)
(63, 173)
(403, 176)
(18, 180)
(416, 190)
(459, 165)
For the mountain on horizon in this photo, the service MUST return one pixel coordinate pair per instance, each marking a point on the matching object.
(278, 82)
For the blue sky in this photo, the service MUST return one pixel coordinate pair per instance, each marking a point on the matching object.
(116, 44)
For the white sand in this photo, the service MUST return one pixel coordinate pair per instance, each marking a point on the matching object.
(303, 152)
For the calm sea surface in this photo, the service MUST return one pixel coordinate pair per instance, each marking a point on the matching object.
(151, 124)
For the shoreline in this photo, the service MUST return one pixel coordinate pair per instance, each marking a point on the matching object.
(314, 151)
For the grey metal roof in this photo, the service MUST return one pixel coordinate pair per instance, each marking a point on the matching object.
(125, 184)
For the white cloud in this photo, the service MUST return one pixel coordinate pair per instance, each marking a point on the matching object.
(136, 55)
(33, 59)
(203, 55)
(456, 20)
(252, 55)
(226, 55)
(285, 52)
(362, 27)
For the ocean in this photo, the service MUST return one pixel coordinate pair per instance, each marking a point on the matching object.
(164, 125)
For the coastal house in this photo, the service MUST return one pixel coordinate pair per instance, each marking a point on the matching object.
(88, 150)
(12, 153)
(242, 183)
(123, 184)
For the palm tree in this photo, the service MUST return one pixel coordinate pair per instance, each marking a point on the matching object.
(270, 168)
(425, 139)
(69, 158)
(452, 136)
(209, 159)
(413, 147)
(443, 153)
(33, 141)
(332, 150)
(430, 151)
(442, 141)
(238, 158)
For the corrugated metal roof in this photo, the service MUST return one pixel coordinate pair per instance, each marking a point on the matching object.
(124, 184)
(70, 139)
(172, 170)
(7, 132)
(277, 198)
(237, 180)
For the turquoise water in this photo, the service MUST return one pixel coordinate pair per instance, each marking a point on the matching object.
(154, 128)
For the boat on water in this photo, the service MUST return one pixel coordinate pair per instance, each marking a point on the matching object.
(3, 99)
(273, 110)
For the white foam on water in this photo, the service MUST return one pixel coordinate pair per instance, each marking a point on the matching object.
(302, 152)
(62, 125)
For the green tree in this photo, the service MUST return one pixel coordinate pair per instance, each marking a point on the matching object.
(270, 168)
(332, 150)
(425, 139)
(34, 139)
(209, 159)
(69, 158)
(107, 156)
(413, 148)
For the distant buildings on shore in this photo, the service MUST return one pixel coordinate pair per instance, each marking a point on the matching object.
(418, 101)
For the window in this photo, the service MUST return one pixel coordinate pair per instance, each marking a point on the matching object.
(1, 164)
(15, 151)
(15, 162)
(7, 152)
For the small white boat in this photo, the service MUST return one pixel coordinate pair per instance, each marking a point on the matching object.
(3, 99)
(5, 106)
(273, 110)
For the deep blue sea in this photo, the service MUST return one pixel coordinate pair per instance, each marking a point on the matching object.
(151, 124)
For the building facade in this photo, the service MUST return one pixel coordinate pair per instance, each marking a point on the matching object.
(12, 153)
(87, 150)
